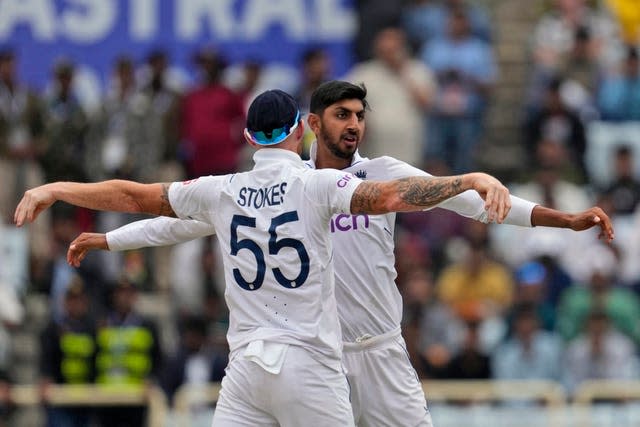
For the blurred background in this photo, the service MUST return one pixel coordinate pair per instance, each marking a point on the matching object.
(544, 94)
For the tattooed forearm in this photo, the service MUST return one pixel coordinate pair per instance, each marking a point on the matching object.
(165, 206)
(366, 198)
(404, 194)
(426, 192)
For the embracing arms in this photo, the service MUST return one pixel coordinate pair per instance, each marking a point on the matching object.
(371, 197)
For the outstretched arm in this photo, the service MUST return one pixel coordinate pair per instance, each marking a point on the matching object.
(146, 233)
(528, 214)
(113, 195)
(418, 193)
(595, 216)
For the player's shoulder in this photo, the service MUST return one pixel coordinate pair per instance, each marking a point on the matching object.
(326, 174)
(383, 167)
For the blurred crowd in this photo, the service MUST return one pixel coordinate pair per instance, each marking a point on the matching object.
(481, 301)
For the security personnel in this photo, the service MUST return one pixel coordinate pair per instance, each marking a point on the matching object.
(68, 351)
(128, 354)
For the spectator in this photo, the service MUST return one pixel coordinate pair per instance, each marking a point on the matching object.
(67, 354)
(530, 353)
(373, 16)
(624, 191)
(128, 355)
(600, 353)
(127, 137)
(212, 117)
(471, 362)
(162, 97)
(248, 86)
(426, 20)
(21, 143)
(437, 333)
(619, 93)
(66, 128)
(466, 70)
(620, 304)
(476, 287)
(55, 276)
(554, 34)
(197, 361)
(579, 71)
(556, 124)
(402, 89)
(532, 289)
(21, 132)
(316, 68)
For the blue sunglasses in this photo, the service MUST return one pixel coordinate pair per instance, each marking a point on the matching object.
(277, 135)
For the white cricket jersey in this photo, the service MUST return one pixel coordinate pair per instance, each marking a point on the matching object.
(271, 225)
(369, 302)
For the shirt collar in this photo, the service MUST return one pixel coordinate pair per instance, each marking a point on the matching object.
(313, 152)
(265, 157)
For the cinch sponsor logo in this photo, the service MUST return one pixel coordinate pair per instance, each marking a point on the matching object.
(342, 182)
(189, 181)
(344, 222)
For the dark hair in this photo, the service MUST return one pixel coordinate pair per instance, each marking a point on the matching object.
(525, 310)
(124, 63)
(582, 34)
(623, 150)
(195, 323)
(312, 54)
(333, 91)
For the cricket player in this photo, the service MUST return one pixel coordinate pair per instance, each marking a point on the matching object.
(384, 387)
(285, 366)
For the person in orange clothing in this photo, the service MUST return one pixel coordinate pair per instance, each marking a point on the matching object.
(478, 289)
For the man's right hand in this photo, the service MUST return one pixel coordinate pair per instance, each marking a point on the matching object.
(33, 203)
(82, 244)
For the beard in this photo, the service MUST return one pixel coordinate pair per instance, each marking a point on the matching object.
(334, 145)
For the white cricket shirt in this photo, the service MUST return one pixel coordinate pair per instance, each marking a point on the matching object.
(271, 224)
(369, 302)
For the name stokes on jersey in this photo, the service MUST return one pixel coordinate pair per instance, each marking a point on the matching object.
(261, 197)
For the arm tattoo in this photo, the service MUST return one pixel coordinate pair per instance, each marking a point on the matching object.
(409, 193)
(165, 206)
(365, 198)
(425, 192)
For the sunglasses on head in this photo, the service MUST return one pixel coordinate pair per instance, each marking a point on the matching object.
(277, 135)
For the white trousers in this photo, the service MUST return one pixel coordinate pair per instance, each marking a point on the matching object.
(304, 393)
(385, 389)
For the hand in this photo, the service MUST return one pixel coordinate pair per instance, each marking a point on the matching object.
(33, 203)
(82, 244)
(590, 218)
(495, 195)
